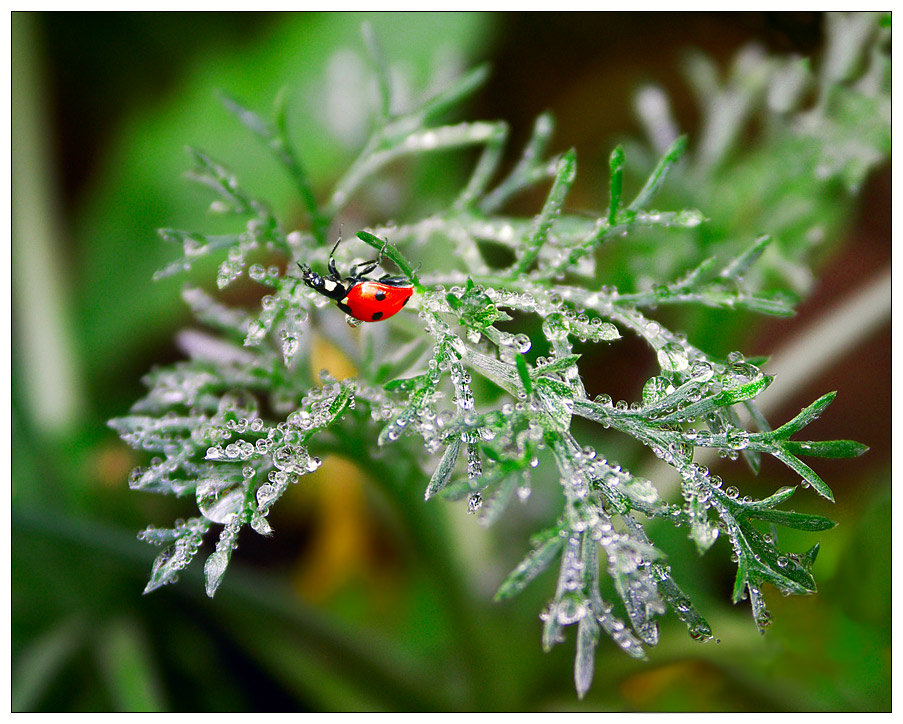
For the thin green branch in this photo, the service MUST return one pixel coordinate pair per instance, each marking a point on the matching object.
(565, 174)
(657, 178)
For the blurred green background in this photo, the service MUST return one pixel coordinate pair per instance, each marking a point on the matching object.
(339, 611)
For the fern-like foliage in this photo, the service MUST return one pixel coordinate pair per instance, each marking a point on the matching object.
(239, 422)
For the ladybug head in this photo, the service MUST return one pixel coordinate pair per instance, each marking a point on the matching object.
(332, 287)
(310, 277)
(307, 274)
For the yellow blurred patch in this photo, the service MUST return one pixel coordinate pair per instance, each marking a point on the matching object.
(650, 687)
(342, 550)
(339, 549)
(111, 463)
(324, 355)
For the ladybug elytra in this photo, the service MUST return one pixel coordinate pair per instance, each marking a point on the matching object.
(368, 300)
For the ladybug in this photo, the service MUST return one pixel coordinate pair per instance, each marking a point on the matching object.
(368, 300)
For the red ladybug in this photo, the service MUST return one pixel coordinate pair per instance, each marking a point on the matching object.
(369, 300)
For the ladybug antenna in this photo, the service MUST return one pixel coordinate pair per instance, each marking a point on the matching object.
(337, 243)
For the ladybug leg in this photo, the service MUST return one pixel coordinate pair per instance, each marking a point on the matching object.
(379, 257)
(369, 265)
(332, 269)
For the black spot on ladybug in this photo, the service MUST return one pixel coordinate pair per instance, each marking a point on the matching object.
(344, 307)
(405, 301)
(380, 296)
(377, 315)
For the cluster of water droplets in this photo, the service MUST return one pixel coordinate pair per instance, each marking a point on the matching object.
(460, 379)
(570, 603)
(637, 587)
(294, 319)
(416, 411)
(696, 491)
(173, 438)
(474, 470)
(221, 493)
(641, 493)
(539, 303)
(595, 489)
(267, 275)
(761, 614)
(260, 325)
(216, 564)
(258, 232)
(221, 456)
(182, 543)
(578, 601)
(511, 345)
(164, 536)
(399, 422)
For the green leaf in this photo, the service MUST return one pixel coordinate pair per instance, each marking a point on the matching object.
(740, 579)
(172, 560)
(743, 392)
(826, 448)
(584, 661)
(558, 365)
(340, 404)
(777, 305)
(738, 267)
(810, 555)
(657, 178)
(407, 384)
(393, 254)
(725, 398)
(681, 605)
(474, 308)
(782, 495)
(792, 519)
(220, 179)
(565, 173)
(807, 473)
(765, 562)
(445, 468)
(524, 373)
(557, 397)
(530, 169)
(806, 415)
(546, 548)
